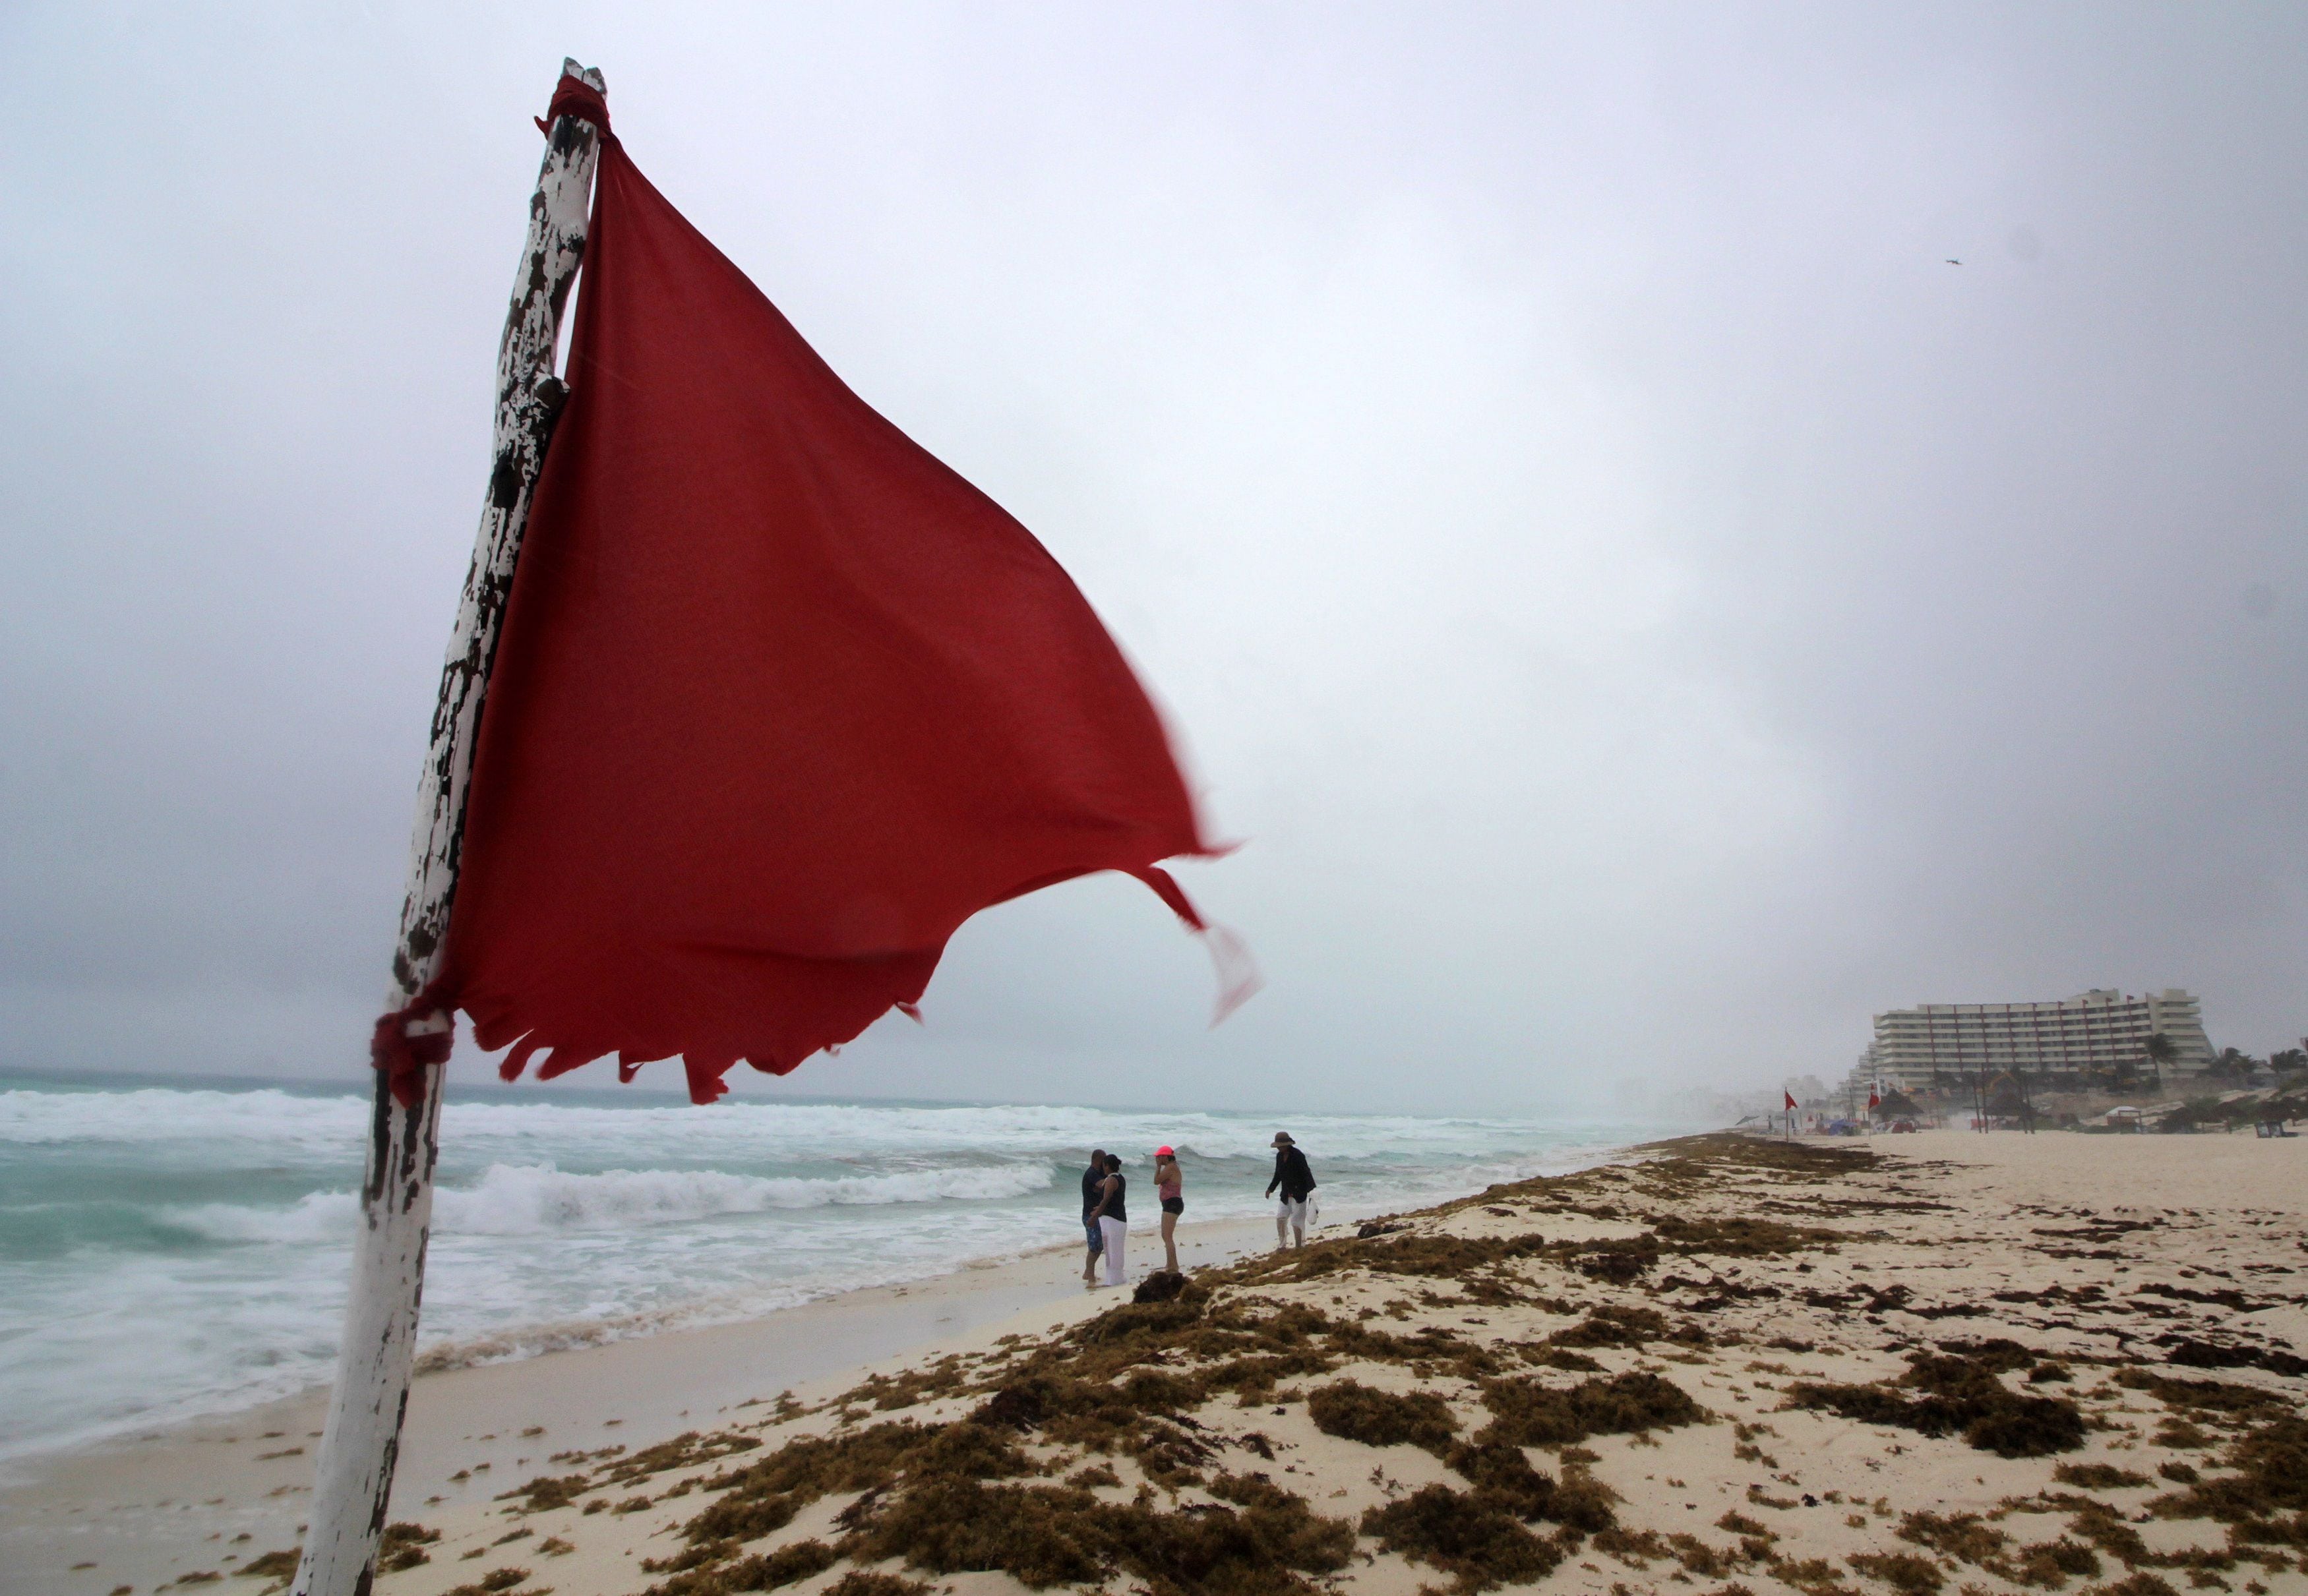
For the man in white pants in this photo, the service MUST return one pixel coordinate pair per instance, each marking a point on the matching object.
(1295, 1178)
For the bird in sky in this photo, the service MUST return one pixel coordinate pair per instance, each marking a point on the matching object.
(1953, 261)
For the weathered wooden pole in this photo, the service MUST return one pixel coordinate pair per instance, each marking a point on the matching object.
(354, 1475)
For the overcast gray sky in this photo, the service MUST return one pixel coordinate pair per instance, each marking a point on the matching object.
(1643, 608)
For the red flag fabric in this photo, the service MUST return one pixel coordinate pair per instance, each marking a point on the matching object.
(1790, 1097)
(780, 700)
(1873, 1100)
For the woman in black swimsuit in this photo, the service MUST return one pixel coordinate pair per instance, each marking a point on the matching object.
(1170, 1186)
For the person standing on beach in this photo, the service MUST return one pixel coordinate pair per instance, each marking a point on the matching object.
(1295, 1178)
(1113, 1216)
(1170, 1186)
(1093, 1187)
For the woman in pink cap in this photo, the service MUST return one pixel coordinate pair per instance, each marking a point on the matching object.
(1170, 1186)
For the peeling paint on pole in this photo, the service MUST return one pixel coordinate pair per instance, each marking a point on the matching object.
(353, 1482)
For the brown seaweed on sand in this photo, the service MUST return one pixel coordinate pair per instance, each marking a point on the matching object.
(1955, 1393)
(1527, 1413)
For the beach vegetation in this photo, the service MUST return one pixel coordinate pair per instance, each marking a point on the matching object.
(401, 1547)
(1813, 1576)
(2269, 1481)
(1610, 1326)
(1960, 1393)
(1706, 1561)
(1527, 1413)
(1636, 1549)
(1554, 1356)
(1476, 1536)
(888, 1392)
(2051, 1564)
(278, 1564)
(2099, 1476)
(1963, 1536)
(1355, 1412)
(1257, 1540)
(1904, 1572)
(763, 1571)
(495, 1582)
(1617, 1262)
(2220, 1400)
(1739, 1237)
(547, 1491)
(868, 1581)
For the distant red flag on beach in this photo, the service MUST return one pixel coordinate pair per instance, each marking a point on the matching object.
(1874, 1099)
(780, 700)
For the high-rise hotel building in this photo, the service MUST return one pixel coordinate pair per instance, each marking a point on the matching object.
(2092, 1033)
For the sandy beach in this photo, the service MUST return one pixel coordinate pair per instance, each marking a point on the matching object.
(1936, 1362)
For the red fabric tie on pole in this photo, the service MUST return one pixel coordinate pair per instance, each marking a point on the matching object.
(579, 99)
(780, 700)
(403, 1057)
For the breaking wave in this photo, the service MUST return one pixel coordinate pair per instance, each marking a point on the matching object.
(538, 1199)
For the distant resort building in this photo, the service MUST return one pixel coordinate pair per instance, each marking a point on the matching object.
(2093, 1035)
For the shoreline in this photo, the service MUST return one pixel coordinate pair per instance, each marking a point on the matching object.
(1946, 1363)
(144, 1505)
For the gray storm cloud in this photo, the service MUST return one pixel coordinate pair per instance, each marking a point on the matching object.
(1643, 608)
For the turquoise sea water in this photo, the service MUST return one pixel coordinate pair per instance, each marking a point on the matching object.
(172, 1249)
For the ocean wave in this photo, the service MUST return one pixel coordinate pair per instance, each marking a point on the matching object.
(323, 1128)
(535, 1199)
(318, 1216)
(32, 1117)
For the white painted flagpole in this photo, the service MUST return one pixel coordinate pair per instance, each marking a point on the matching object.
(353, 1478)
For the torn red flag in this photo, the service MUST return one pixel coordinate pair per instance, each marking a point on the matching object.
(780, 700)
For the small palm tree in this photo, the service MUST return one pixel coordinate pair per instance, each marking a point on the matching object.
(2161, 1053)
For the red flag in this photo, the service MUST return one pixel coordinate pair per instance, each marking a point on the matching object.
(1873, 1100)
(1790, 1097)
(781, 699)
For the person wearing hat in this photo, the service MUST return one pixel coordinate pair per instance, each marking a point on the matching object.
(1295, 1178)
(1170, 1186)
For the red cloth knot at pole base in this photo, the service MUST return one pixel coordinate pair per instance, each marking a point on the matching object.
(574, 96)
(780, 700)
(403, 1057)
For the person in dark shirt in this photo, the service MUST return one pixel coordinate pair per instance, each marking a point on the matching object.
(1113, 1216)
(1093, 1187)
(1295, 1178)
